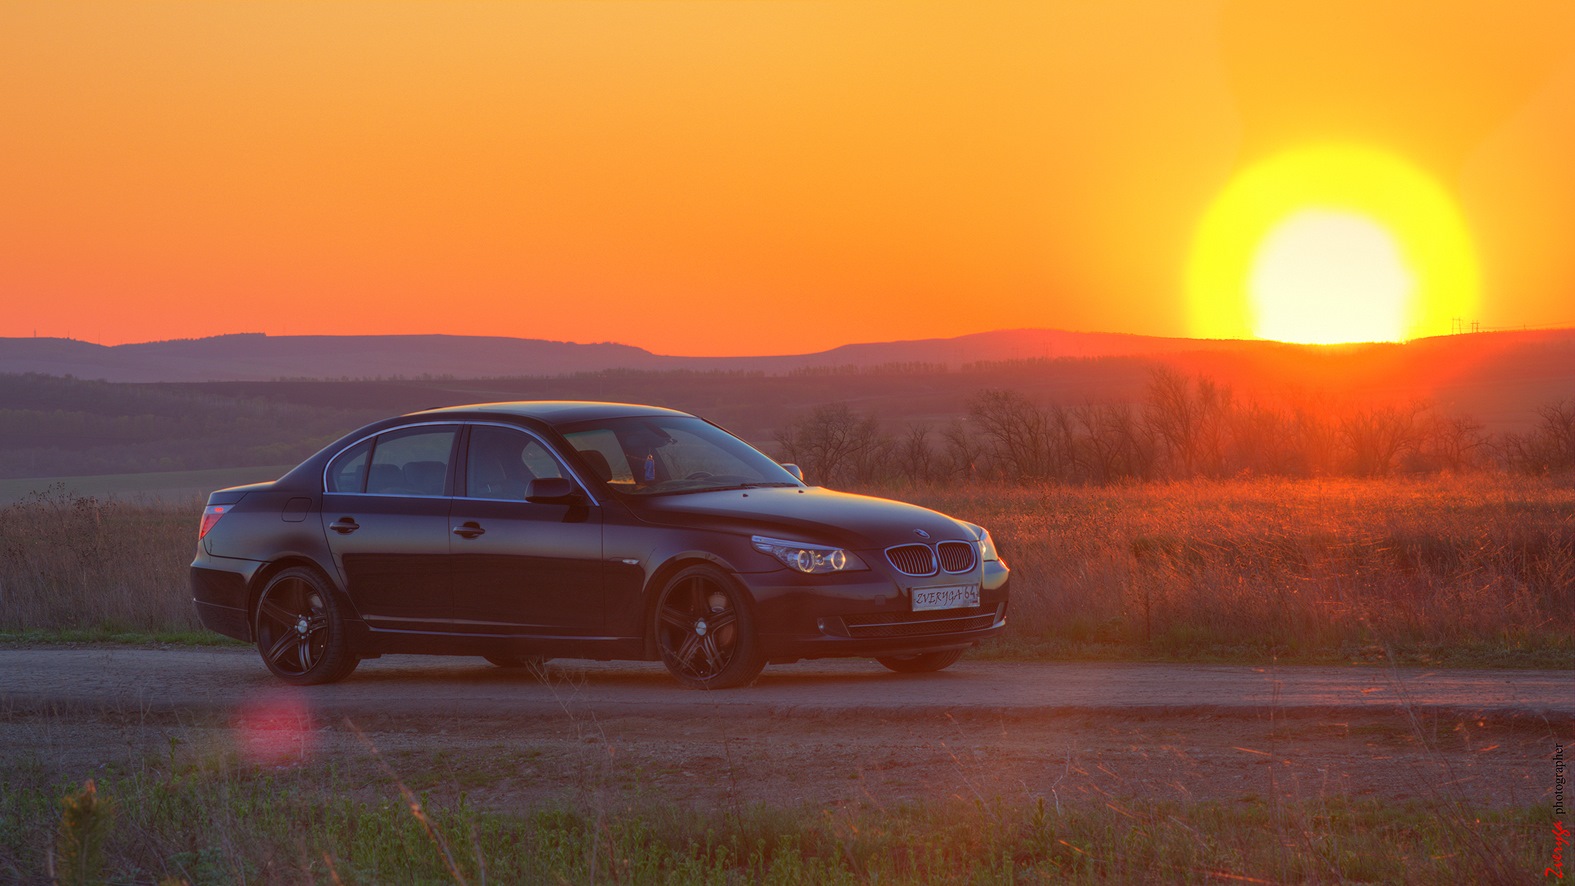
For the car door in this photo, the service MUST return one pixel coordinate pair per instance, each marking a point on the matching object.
(522, 568)
(385, 515)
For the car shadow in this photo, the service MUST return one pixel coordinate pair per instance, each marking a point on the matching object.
(650, 676)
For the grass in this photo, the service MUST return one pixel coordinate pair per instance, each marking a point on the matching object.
(1476, 570)
(78, 564)
(1469, 571)
(1480, 656)
(217, 821)
(109, 636)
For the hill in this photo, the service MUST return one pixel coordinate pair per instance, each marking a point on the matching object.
(1498, 378)
(258, 357)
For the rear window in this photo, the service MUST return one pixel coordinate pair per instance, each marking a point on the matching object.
(347, 472)
(410, 461)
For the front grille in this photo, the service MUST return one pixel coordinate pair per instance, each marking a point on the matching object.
(916, 624)
(956, 556)
(912, 559)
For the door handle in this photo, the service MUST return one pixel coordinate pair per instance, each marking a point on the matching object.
(469, 529)
(344, 525)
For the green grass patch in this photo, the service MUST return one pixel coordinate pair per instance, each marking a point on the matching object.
(222, 824)
(111, 636)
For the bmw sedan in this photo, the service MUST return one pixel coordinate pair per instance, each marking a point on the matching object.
(525, 531)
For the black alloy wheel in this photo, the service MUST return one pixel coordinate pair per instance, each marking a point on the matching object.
(923, 662)
(299, 631)
(704, 631)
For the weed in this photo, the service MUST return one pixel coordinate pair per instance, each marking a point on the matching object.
(85, 824)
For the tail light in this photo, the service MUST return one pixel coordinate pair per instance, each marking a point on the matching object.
(210, 516)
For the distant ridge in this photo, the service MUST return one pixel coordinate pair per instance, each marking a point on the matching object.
(259, 357)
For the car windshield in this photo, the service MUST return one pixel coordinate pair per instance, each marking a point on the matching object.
(669, 455)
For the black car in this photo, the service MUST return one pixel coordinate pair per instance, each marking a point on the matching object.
(526, 531)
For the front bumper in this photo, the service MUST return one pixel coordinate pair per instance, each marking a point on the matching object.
(868, 614)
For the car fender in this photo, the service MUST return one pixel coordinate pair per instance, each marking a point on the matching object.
(657, 575)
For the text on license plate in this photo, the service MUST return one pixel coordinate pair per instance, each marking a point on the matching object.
(955, 597)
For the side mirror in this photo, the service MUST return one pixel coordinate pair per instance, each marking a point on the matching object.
(795, 470)
(552, 491)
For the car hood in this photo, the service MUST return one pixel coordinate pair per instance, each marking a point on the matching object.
(856, 522)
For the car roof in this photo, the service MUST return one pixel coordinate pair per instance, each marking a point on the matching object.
(552, 412)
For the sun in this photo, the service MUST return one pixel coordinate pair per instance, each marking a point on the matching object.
(1324, 276)
(1331, 244)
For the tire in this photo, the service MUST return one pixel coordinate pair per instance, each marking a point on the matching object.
(300, 632)
(923, 662)
(704, 630)
(534, 662)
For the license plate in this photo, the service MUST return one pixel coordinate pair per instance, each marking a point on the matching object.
(954, 597)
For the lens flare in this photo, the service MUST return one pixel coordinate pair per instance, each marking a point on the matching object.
(275, 729)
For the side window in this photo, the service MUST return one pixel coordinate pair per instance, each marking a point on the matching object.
(501, 463)
(347, 472)
(411, 462)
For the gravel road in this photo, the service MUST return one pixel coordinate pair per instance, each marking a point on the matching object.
(207, 680)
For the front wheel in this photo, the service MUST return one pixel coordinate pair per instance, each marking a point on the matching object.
(704, 631)
(300, 633)
(923, 662)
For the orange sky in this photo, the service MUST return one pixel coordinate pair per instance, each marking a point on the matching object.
(730, 178)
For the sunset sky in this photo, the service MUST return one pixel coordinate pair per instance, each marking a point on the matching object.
(750, 178)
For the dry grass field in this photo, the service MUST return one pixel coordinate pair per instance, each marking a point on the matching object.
(1478, 569)
(79, 563)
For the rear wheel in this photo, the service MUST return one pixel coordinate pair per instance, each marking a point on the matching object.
(300, 633)
(704, 631)
(923, 662)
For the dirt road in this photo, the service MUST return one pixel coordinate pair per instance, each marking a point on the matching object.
(819, 732)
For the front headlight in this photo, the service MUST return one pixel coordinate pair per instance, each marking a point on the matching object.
(807, 558)
(986, 544)
(987, 550)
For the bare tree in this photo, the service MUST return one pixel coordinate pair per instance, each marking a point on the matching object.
(1376, 437)
(1451, 443)
(1189, 418)
(1557, 428)
(835, 445)
(916, 460)
(1316, 436)
(1114, 444)
(962, 451)
(1264, 440)
(1546, 448)
(1016, 431)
